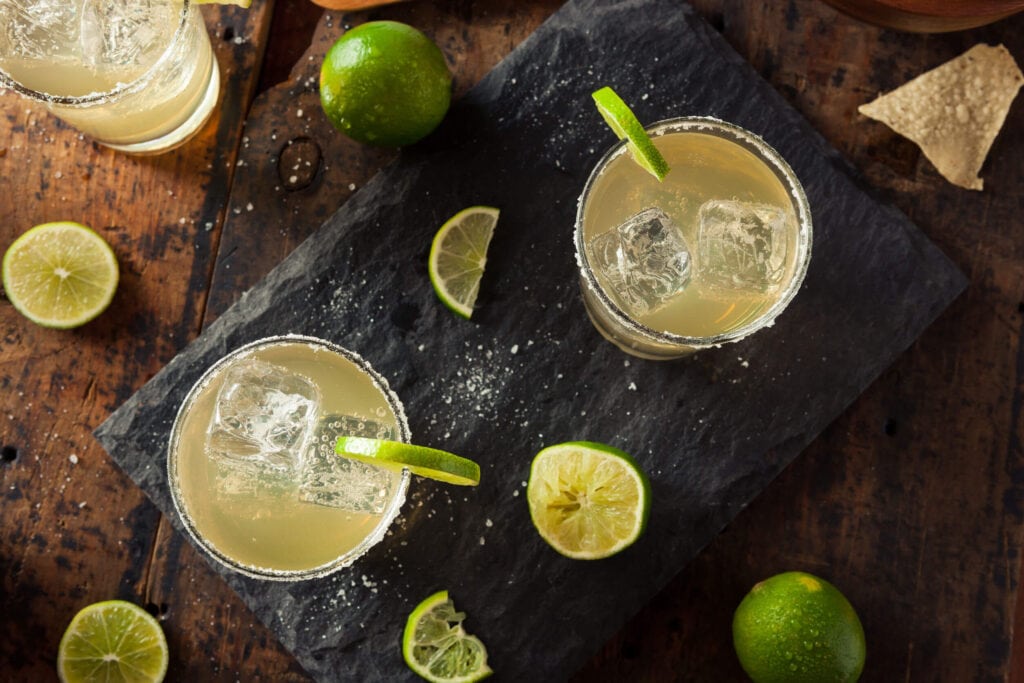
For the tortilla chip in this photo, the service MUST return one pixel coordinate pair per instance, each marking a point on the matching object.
(954, 111)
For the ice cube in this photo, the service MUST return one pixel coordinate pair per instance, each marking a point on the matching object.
(742, 245)
(263, 417)
(122, 34)
(37, 30)
(250, 480)
(644, 262)
(334, 481)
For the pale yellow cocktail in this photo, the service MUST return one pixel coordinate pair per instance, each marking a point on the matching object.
(252, 467)
(709, 254)
(136, 75)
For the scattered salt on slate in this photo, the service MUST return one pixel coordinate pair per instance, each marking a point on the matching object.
(529, 371)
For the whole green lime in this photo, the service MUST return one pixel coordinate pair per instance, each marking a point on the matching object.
(798, 628)
(385, 83)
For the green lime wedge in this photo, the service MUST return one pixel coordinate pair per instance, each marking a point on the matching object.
(458, 255)
(113, 641)
(420, 460)
(60, 274)
(436, 646)
(587, 500)
(620, 118)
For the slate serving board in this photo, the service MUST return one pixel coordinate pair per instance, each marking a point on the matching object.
(712, 430)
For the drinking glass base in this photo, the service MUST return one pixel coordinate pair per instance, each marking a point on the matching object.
(185, 131)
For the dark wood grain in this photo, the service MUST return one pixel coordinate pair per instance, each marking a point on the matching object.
(910, 502)
(75, 529)
(930, 15)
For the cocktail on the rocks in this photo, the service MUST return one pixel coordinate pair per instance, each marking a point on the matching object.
(136, 75)
(709, 254)
(252, 465)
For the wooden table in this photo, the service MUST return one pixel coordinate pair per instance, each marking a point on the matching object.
(912, 502)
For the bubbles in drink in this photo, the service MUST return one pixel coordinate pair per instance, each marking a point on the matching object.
(124, 34)
(644, 262)
(329, 479)
(267, 437)
(36, 28)
(742, 245)
(264, 416)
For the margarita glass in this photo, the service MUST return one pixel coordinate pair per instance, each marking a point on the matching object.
(251, 462)
(709, 255)
(135, 75)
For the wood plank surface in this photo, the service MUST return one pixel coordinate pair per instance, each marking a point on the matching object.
(910, 502)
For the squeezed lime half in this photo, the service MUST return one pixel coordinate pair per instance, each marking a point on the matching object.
(437, 648)
(587, 500)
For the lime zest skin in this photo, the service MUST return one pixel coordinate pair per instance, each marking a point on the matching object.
(431, 463)
(621, 119)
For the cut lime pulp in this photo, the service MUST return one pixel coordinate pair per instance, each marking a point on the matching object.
(113, 642)
(623, 122)
(60, 274)
(587, 500)
(437, 648)
(458, 255)
(420, 460)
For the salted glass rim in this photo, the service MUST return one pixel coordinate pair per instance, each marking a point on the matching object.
(766, 154)
(344, 560)
(7, 81)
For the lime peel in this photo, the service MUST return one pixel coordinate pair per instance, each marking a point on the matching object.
(420, 460)
(436, 646)
(587, 500)
(623, 122)
(458, 255)
(795, 617)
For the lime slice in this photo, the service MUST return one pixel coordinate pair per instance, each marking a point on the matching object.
(112, 641)
(621, 119)
(60, 274)
(587, 500)
(458, 255)
(437, 648)
(425, 462)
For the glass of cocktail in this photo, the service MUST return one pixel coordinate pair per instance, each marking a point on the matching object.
(252, 468)
(708, 255)
(136, 75)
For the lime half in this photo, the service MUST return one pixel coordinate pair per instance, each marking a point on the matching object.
(113, 641)
(587, 500)
(621, 119)
(437, 648)
(60, 274)
(458, 255)
(425, 462)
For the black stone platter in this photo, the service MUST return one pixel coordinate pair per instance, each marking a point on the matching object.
(529, 371)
